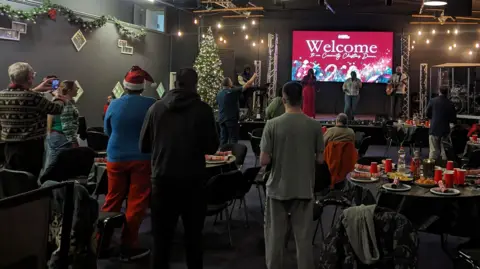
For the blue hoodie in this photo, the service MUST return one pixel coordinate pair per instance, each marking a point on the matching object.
(123, 123)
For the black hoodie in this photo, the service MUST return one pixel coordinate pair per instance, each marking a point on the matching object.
(179, 130)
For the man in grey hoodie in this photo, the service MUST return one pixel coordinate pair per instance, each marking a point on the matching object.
(179, 130)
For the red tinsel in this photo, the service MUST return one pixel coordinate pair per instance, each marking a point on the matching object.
(52, 14)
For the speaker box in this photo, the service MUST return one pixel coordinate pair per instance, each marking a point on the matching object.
(459, 8)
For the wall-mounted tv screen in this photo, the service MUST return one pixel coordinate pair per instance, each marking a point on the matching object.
(334, 55)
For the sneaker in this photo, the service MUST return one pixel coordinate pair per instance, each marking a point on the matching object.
(133, 254)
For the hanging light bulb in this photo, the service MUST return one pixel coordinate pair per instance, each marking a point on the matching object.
(448, 31)
(261, 41)
(221, 39)
(413, 41)
(428, 41)
(254, 44)
(254, 22)
(455, 45)
(477, 45)
(224, 41)
(179, 33)
(456, 31)
(450, 48)
(433, 31)
(195, 21)
(419, 32)
(219, 25)
(246, 37)
(413, 47)
(203, 36)
(244, 27)
(470, 52)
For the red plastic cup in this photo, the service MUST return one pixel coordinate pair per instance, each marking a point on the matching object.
(438, 175)
(373, 168)
(455, 176)
(460, 179)
(449, 179)
(475, 138)
(427, 124)
(388, 166)
(450, 165)
(324, 129)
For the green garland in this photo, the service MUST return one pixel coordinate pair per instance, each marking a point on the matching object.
(87, 25)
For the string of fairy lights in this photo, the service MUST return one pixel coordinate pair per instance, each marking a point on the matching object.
(427, 37)
(244, 26)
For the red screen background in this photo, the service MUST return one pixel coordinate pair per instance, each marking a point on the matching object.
(334, 54)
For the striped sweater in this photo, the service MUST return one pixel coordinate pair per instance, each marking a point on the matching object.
(23, 114)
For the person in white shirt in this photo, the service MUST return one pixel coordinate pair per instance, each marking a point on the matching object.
(351, 88)
(397, 89)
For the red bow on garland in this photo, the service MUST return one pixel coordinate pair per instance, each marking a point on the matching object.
(52, 14)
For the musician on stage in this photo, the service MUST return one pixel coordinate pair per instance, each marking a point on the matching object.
(244, 77)
(351, 88)
(396, 89)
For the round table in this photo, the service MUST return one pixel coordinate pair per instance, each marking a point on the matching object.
(471, 147)
(456, 215)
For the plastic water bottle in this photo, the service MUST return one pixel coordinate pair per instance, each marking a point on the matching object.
(401, 168)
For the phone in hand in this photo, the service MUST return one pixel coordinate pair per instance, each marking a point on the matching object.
(55, 84)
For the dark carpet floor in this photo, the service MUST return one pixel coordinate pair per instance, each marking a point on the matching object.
(248, 248)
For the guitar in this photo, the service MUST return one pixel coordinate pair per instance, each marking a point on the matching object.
(390, 89)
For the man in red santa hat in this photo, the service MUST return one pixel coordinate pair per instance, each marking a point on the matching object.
(128, 169)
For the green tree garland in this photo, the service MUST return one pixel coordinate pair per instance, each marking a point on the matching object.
(210, 73)
(87, 25)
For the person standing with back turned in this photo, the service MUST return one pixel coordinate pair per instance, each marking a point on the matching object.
(292, 143)
(179, 130)
(442, 112)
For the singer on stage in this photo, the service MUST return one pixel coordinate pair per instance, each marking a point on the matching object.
(396, 89)
(351, 88)
(308, 93)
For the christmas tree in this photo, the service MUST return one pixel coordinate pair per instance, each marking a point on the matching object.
(208, 66)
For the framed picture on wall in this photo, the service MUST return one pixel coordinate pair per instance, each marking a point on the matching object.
(173, 78)
(127, 50)
(79, 40)
(122, 43)
(19, 26)
(79, 91)
(118, 90)
(160, 90)
(9, 34)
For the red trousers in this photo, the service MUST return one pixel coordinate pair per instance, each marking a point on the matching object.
(130, 178)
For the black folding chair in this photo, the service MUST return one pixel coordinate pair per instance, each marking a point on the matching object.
(370, 159)
(98, 141)
(249, 177)
(364, 145)
(255, 138)
(21, 246)
(238, 150)
(15, 182)
(473, 161)
(221, 191)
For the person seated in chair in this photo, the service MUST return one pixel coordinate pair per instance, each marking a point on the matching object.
(340, 132)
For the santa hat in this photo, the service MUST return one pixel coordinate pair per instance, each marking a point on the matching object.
(135, 79)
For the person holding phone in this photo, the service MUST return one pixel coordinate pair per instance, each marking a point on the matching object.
(62, 129)
(26, 109)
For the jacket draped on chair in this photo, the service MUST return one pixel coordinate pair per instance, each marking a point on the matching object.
(340, 158)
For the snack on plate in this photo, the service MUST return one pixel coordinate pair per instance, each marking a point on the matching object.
(360, 175)
(362, 167)
(473, 172)
(215, 158)
(223, 153)
(425, 181)
(442, 186)
(399, 176)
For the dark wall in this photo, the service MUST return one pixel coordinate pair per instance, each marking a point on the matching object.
(329, 96)
(98, 66)
(121, 9)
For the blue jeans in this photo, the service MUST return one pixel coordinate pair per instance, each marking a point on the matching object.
(351, 102)
(56, 142)
(229, 132)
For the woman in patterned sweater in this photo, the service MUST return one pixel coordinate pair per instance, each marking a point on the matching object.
(62, 129)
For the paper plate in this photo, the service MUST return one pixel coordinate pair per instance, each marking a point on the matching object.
(400, 188)
(450, 192)
(425, 185)
(364, 180)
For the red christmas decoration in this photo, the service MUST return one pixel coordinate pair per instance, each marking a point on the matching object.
(52, 14)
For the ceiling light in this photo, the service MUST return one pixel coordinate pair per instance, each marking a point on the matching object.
(261, 41)
(253, 44)
(152, 1)
(246, 36)
(195, 21)
(219, 25)
(470, 52)
(456, 31)
(450, 48)
(419, 32)
(434, 3)
(448, 32)
(455, 45)
(244, 27)
(203, 36)
(428, 41)
(413, 41)
(254, 22)
(224, 41)
(477, 45)
(413, 47)
(433, 31)
(179, 33)
(221, 38)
